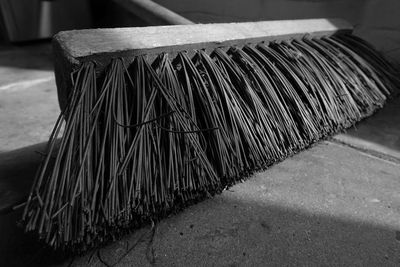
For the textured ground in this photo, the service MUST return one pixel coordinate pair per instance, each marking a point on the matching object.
(337, 203)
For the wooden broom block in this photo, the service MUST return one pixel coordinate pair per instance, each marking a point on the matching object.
(85, 44)
(71, 48)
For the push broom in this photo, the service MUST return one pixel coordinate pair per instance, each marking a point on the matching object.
(156, 118)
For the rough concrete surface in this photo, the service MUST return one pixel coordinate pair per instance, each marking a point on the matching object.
(331, 205)
(27, 115)
(379, 133)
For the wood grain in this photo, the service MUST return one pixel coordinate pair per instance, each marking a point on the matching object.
(80, 44)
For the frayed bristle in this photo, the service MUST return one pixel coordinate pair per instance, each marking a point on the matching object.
(143, 138)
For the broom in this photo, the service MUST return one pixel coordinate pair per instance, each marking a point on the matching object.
(154, 119)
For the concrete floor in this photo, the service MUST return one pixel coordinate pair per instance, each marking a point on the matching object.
(335, 204)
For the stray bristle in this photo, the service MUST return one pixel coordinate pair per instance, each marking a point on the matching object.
(141, 140)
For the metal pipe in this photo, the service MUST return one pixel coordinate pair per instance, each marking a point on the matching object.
(153, 13)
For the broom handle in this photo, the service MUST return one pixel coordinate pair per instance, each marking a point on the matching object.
(153, 13)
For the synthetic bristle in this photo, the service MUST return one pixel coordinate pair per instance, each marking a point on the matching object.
(141, 140)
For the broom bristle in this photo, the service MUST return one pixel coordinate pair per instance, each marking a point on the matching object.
(143, 138)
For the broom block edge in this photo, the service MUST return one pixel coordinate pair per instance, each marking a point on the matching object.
(120, 42)
(71, 48)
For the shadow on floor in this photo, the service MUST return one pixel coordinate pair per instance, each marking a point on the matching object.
(17, 172)
(226, 233)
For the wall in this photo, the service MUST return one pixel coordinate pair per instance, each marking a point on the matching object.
(378, 21)
(380, 25)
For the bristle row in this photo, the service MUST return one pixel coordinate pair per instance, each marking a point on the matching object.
(142, 139)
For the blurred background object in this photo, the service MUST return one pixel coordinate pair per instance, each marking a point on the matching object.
(24, 20)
